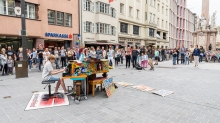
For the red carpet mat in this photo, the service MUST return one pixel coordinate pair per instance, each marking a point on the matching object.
(37, 101)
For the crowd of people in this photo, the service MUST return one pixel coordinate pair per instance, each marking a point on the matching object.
(137, 56)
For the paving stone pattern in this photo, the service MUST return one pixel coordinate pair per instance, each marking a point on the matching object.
(196, 98)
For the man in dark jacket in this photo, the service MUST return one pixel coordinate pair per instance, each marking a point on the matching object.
(134, 56)
(196, 54)
(150, 54)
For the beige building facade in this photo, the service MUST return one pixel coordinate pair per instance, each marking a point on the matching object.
(98, 22)
(143, 22)
(218, 37)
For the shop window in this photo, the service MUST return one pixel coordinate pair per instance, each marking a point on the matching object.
(60, 18)
(68, 20)
(136, 30)
(51, 17)
(124, 28)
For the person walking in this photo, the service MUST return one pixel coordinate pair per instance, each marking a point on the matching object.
(196, 54)
(187, 55)
(174, 57)
(34, 57)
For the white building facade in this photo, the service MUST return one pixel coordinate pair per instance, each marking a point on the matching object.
(143, 22)
(98, 22)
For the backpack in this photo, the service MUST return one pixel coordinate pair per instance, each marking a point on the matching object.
(138, 67)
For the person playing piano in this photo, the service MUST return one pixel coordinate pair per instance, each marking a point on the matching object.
(48, 73)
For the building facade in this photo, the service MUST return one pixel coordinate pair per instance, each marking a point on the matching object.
(48, 23)
(218, 37)
(182, 24)
(98, 22)
(143, 22)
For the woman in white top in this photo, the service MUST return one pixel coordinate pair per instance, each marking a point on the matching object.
(56, 54)
(93, 52)
(3, 60)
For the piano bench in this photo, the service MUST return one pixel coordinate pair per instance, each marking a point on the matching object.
(48, 82)
(96, 81)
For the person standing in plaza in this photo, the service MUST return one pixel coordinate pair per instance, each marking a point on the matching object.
(63, 56)
(10, 64)
(3, 58)
(134, 56)
(69, 54)
(56, 54)
(163, 54)
(116, 56)
(150, 53)
(34, 57)
(202, 52)
(187, 55)
(196, 54)
(92, 52)
(40, 57)
(128, 58)
(210, 47)
(156, 56)
(182, 53)
(178, 53)
(30, 59)
(122, 55)
(98, 53)
(111, 56)
(104, 53)
(174, 56)
(191, 53)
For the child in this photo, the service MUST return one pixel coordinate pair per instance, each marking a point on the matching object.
(187, 55)
(10, 64)
(142, 60)
(146, 60)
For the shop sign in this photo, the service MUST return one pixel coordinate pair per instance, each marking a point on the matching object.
(57, 35)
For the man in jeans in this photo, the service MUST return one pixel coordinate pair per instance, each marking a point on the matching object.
(40, 57)
(182, 52)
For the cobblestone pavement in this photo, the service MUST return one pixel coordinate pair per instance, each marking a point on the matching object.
(196, 98)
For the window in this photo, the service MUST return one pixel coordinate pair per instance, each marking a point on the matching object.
(162, 9)
(136, 30)
(88, 5)
(124, 28)
(137, 13)
(145, 15)
(113, 30)
(121, 8)
(7, 7)
(153, 20)
(30, 11)
(162, 23)
(113, 12)
(166, 24)
(88, 26)
(166, 12)
(130, 11)
(51, 17)
(103, 8)
(151, 32)
(68, 20)
(158, 21)
(103, 28)
(158, 7)
(60, 16)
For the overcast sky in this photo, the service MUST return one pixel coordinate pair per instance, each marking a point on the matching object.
(196, 7)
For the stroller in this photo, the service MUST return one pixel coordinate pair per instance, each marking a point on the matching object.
(138, 67)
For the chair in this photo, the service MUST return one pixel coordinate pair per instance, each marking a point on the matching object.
(47, 96)
(94, 82)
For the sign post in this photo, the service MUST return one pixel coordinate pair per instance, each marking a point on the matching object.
(21, 67)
